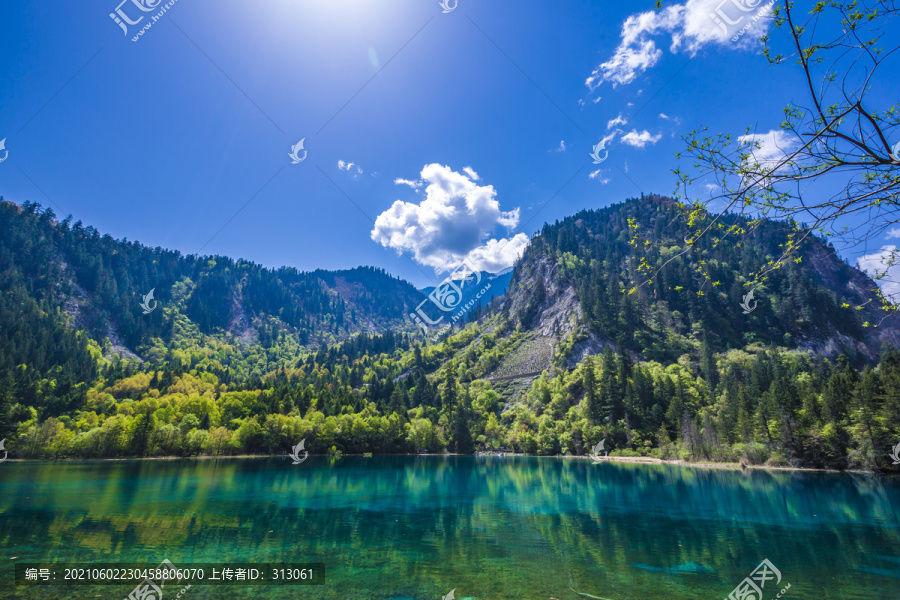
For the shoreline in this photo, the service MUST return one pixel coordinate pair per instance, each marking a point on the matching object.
(615, 459)
(723, 465)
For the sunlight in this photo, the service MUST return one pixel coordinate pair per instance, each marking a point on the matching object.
(329, 15)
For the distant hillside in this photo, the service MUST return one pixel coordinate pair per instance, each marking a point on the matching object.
(571, 283)
(63, 283)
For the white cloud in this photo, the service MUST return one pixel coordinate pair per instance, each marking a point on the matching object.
(774, 145)
(766, 155)
(893, 233)
(639, 139)
(882, 262)
(595, 174)
(496, 255)
(471, 173)
(413, 184)
(561, 148)
(373, 57)
(691, 26)
(711, 187)
(350, 167)
(666, 117)
(635, 53)
(617, 121)
(451, 223)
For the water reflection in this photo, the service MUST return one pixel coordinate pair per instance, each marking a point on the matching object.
(416, 527)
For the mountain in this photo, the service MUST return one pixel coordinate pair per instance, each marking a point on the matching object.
(231, 358)
(65, 285)
(572, 286)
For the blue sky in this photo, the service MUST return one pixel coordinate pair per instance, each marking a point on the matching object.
(182, 139)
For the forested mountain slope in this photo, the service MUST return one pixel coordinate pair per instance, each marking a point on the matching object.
(240, 359)
(65, 288)
(574, 277)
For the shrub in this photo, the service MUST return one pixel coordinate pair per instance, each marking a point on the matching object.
(625, 452)
(754, 452)
(527, 443)
(776, 460)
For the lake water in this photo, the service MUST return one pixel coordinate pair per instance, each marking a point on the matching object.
(487, 527)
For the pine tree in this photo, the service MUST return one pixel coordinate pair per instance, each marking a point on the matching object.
(866, 427)
(462, 435)
(594, 410)
(610, 396)
(398, 401)
(449, 395)
(676, 404)
(7, 397)
(708, 365)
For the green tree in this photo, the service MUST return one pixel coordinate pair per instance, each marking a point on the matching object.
(708, 364)
(462, 434)
(219, 440)
(594, 411)
(188, 422)
(142, 429)
(609, 392)
(866, 428)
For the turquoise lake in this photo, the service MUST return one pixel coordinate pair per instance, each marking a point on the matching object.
(492, 528)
